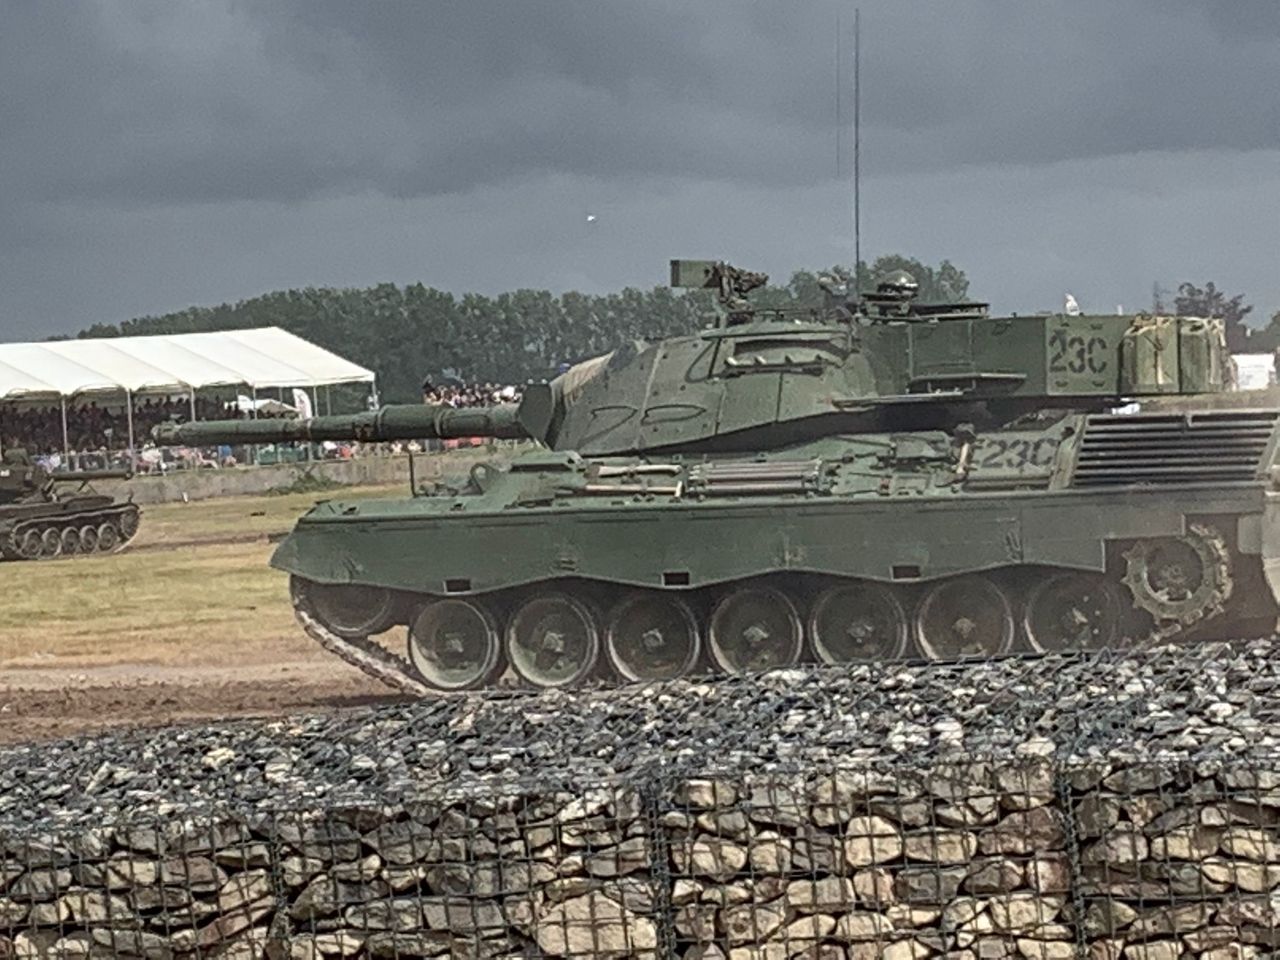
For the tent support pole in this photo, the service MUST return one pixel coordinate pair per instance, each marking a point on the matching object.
(128, 413)
(328, 406)
(66, 444)
(193, 404)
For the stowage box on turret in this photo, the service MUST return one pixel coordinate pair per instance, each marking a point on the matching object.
(39, 521)
(878, 479)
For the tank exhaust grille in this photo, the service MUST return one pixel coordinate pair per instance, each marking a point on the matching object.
(1173, 448)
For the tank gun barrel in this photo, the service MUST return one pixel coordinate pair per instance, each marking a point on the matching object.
(392, 422)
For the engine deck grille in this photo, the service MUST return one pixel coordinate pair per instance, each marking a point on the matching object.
(1173, 448)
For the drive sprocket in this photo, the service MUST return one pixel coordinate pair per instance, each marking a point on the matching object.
(1180, 581)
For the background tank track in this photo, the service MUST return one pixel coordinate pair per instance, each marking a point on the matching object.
(1175, 621)
(97, 530)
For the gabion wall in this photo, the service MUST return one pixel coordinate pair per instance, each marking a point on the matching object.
(1026, 859)
(1102, 809)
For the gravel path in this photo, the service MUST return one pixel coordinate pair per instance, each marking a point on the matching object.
(1176, 703)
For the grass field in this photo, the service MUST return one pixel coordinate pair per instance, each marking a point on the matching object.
(193, 588)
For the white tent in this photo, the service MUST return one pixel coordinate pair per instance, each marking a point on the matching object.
(177, 363)
(265, 357)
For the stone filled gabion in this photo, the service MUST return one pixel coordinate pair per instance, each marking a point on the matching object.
(1113, 808)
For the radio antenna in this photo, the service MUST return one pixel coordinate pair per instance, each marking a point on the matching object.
(857, 149)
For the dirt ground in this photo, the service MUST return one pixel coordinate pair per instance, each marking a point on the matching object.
(188, 622)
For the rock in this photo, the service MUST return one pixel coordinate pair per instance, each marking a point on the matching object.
(461, 916)
(1251, 843)
(1163, 921)
(1049, 874)
(1023, 832)
(594, 924)
(940, 846)
(927, 885)
(863, 926)
(777, 804)
(96, 906)
(1249, 877)
(818, 853)
(1154, 950)
(40, 883)
(709, 857)
(706, 794)
(395, 946)
(1121, 845)
(1046, 949)
(132, 943)
(994, 875)
(871, 840)
(874, 887)
(627, 857)
(1186, 843)
(399, 915)
(1020, 912)
(770, 854)
(752, 923)
(825, 895)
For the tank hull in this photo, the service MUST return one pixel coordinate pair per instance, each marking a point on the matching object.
(833, 551)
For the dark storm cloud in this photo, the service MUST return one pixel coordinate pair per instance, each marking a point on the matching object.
(156, 102)
(155, 154)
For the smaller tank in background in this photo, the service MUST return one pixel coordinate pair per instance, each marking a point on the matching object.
(39, 521)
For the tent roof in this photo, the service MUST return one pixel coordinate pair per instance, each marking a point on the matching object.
(264, 357)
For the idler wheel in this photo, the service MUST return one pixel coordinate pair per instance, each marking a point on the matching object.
(754, 629)
(88, 538)
(858, 621)
(351, 610)
(1073, 611)
(454, 644)
(50, 543)
(552, 641)
(30, 544)
(129, 524)
(70, 538)
(964, 617)
(652, 637)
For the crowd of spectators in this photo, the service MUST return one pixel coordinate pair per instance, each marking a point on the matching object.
(98, 433)
(468, 394)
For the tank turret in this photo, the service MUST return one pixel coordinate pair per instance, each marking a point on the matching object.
(874, 478)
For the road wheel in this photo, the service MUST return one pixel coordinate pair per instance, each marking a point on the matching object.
(652, 636)
(965, 617)
(1073, 611)
(454, 644)
(858, 622)
(553, 641)
(754, 629)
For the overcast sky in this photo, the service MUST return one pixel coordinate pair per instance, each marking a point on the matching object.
(155, 155)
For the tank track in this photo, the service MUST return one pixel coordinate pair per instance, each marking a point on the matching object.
(124, 519)
(1171, 618)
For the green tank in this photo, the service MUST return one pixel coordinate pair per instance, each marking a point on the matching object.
(39, 521)
(877, 479)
